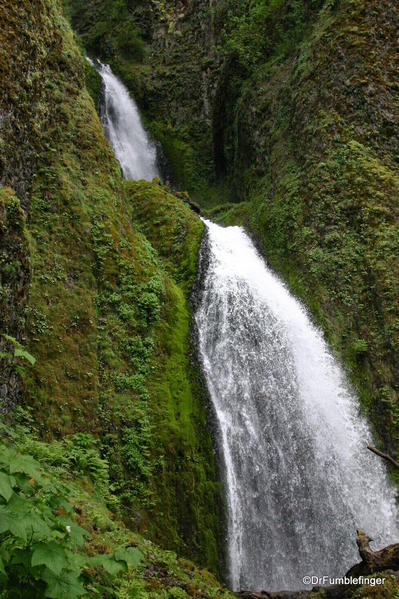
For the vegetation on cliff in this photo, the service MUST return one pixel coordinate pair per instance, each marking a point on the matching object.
(291, 110)
(106, 316)
(60, 536)
(320, 172)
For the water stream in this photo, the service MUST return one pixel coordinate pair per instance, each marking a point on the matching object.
(299, 478)
(122, 125)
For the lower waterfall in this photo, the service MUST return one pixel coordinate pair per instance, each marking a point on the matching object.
(299, 479)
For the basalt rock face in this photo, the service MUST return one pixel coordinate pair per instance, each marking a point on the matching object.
(15, 275)
(24, 114)
(29, 44)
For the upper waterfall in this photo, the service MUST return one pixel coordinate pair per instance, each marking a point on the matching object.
(299, 478)
(124, 129)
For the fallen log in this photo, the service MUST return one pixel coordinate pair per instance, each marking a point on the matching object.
(383, 455)
(374, 561)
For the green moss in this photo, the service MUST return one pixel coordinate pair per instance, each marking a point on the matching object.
(93, 83)
(15, 273)
(108, 27)
(107, 318)
(192, 516)
(14, 262)
(186, 461)
(183, 165)
(172, 228)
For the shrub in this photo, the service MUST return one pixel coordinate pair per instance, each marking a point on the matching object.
(360, 347)
(41, 545)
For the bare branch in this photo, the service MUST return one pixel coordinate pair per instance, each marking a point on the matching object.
(383, 455)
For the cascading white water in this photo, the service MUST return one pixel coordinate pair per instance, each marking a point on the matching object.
(299, 478)
(123, 127)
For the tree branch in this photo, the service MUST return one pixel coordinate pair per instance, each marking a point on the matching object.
(385, 456)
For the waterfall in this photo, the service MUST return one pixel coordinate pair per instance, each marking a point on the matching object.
(299, 479)
(122, 124)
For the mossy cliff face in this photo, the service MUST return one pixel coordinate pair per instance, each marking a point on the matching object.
(107, 317)
(14, 286)
(316, 155)
(175, 385)
(30, 45)
(292, 108)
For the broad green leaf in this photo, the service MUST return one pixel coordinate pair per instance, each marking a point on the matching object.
(7, 454)
(22, 353)
(76, 534)
(18, 518)
(9, 523)
(39, 526)
(64, 586)
(24, 463)
(113, 567)
(24, 483)
(21, 556)
(76, 560)
(97, 560)
(108, 563)
(6, 486)
(132, 556)
(19, 504)
(50, 555)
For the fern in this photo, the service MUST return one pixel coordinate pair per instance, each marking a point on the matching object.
(41, 545)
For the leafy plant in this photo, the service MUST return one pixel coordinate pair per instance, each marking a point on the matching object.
(83, 456)
(16, 351)
(41, 545)
(360, 347)
(38, 538)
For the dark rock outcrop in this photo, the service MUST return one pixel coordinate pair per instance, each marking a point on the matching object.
(374, 561)
(14, 288)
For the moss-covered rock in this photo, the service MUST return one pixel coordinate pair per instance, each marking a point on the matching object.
(107, 318)
(179, 399)
(316, 155)
(15, 275)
